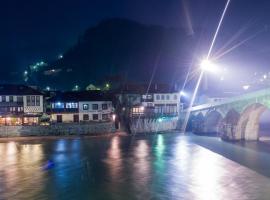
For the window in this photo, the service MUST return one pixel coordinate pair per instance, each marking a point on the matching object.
(95, 116)
(71, 105)
(104, 106)
(105, 116)
(162, 97)
(37, 100)
(28, 103)
(33, 101)
(58, 105)
(158, 97)
(85, 117)
(10, 98)
(167, 97)
(19, 99)
(85, 106)
(95, 106)
(175, 97)
(3, 98)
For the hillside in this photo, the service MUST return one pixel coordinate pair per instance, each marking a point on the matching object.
(121, 50)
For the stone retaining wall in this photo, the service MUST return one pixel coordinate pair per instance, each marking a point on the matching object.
(148, 125)
(57, 129)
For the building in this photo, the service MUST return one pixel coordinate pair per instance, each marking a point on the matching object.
(82, 106)
(157, 100)
(20, 105)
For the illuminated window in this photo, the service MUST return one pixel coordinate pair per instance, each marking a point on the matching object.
(71, 105)
(58, 105)
(85, 106)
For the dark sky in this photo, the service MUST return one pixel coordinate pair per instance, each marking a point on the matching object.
(33, 30)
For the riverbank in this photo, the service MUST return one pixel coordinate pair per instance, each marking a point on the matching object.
(57, 137)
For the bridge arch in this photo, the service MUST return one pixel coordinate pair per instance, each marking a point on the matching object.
(248, 124)
(229, 123)
(213, 122)
(198, 123)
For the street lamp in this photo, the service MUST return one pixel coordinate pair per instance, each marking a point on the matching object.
(207, 65)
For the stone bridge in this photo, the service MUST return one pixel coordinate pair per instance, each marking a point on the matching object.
(234, 119)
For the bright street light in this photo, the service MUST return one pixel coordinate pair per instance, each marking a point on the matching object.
(207, 65)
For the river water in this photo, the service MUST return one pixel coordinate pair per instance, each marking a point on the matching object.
(170, 166)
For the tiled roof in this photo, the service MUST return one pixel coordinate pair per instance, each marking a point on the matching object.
(81, 96)
(9, 89)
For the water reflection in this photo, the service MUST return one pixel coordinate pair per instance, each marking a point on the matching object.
(156, 167)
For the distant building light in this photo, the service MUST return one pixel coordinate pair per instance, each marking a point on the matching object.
(142, 109)
(246, 87)
(25, 72)
(48, 88)
(113, 117)
(265, 76)
(60, 56)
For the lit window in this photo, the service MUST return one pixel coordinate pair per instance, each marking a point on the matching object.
(85, 106)
(58, 105)
(71, 105)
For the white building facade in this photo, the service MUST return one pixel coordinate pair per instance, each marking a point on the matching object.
(79, 107)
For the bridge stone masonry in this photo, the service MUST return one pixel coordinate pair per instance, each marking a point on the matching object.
(236, 118)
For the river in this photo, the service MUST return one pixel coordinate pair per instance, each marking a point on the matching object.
(167, 166)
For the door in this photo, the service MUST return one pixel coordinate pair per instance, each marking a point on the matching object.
(59, 119)
(75, 118)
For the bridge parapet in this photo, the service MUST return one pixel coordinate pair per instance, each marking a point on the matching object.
(234, 118)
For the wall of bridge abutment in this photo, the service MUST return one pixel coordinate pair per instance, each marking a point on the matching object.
(229, 123)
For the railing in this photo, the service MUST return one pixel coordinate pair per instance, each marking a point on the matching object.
(251, 95)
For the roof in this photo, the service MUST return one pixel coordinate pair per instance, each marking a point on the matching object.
(81, 96)
(144, 88)
(9, 89)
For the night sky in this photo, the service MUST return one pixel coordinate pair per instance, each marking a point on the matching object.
(34, 30)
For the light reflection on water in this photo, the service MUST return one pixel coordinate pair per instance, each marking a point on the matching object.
(153, 167)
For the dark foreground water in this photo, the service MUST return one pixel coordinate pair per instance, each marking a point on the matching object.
(153, 167)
